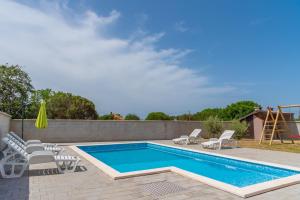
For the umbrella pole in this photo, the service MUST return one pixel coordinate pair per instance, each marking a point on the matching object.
(23, 118)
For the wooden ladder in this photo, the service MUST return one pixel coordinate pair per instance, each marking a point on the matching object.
(273, 126)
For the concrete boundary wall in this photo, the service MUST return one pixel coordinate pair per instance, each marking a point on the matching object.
(62, 130)
(96, 130)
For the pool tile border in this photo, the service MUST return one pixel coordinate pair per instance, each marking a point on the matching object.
(244, 192)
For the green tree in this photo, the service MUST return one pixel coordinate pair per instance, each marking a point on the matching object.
(15, 89)
(238, 110)
(62, 105)
(240, 129)
(132, 117)
(206, 113)
(35, 100)
(106, 117)
(158, 116)
(213, 126)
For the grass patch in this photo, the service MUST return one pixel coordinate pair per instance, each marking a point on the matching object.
(287, 146)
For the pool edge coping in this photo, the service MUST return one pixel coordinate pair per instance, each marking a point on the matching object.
(244, 192)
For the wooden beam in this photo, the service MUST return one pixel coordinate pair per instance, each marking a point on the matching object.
(290, 106)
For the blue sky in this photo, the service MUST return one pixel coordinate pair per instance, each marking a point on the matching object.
(251, 44)
(215, 52)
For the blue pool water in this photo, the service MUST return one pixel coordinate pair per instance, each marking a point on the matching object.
(143, 156)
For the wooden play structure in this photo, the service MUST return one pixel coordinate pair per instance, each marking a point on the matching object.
(275, 125)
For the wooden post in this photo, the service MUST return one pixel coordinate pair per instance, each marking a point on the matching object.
(274, 127)
(263, 131)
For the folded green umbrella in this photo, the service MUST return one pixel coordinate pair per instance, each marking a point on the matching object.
(41, 121)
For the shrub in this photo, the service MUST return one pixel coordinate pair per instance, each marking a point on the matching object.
(158, 116)
(240, 129)
(213, 126)
(132, 117)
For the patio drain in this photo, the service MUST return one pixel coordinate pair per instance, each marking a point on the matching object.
(161, 188)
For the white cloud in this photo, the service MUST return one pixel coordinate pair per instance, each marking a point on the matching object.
(119, 75)
(181, 26)
(92, 19)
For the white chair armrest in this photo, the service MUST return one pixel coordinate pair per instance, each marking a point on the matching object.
(34, 147)
(184, 136)
(29, 142)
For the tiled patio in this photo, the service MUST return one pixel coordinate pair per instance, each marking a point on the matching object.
(43, 182)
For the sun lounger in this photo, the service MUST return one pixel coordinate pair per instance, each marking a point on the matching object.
(35, 147)
(215, 143)
(191, 139)
(14, 164)
(28, 142)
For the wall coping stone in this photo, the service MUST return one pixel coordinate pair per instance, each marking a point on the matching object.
(5, 114)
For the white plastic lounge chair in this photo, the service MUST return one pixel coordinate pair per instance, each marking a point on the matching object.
(191, 139)
(35, 147)
(215, 143)
(14, 164)
(28, 142)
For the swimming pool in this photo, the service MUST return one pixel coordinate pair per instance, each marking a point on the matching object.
(234, 175)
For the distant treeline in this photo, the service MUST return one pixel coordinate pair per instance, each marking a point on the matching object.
(230, 112)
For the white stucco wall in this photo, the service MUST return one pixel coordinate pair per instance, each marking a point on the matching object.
(294, 128)
(4, 124)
